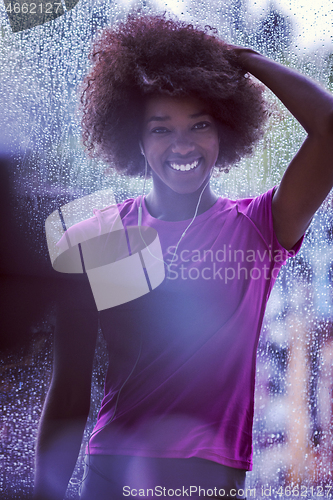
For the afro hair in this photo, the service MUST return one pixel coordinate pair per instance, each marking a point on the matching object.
(155, 55)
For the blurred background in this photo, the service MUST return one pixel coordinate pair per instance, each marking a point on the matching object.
(43, 166)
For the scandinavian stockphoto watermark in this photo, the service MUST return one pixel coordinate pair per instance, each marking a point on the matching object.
(264, 492)
(225, 264)
(123, 263)
(187, 491)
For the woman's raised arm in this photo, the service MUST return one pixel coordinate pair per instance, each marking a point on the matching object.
(309, 177)
(67, 404)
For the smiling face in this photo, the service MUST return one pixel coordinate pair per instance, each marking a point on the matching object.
(180, 141)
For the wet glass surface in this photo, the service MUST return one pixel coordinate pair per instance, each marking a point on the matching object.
(43, 166)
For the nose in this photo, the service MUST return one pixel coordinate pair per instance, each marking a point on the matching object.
(182, 144)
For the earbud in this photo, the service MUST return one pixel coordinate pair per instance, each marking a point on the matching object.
(141, 148)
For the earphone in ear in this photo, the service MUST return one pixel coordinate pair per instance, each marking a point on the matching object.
(141, 148)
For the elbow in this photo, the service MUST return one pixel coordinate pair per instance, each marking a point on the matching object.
(321, 126)
(326, 128)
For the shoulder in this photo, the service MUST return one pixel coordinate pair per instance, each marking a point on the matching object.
(258, 210)
(252, 207)
(104, 221)
(64, 243)
(113, 216)
(255, 216)
(256, 205)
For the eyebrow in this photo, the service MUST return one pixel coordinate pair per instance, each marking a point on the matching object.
(165, 118)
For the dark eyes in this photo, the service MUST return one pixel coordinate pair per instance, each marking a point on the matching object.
(196, 126)
(201, 125)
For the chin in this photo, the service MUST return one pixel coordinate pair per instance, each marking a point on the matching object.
(188, 189)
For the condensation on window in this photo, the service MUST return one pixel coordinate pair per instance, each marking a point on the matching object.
(43, 166)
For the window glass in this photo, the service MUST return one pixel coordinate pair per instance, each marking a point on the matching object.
(44, 57)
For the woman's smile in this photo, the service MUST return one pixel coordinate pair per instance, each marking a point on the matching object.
(184, 168)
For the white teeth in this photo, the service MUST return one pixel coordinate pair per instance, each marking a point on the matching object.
(188, 166)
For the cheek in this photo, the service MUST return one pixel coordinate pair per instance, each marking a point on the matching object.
(213, 146)
(155, 148)
(212, 138)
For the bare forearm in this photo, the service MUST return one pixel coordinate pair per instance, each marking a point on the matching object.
(67, 404)
(58, 446)
(311, 104)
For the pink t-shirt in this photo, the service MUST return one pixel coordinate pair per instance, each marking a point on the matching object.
(191, 393)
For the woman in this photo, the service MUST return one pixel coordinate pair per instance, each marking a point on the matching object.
(172, 101)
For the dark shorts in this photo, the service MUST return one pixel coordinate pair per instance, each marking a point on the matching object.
(109, 477)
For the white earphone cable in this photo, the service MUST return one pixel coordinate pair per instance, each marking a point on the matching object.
(184, 232)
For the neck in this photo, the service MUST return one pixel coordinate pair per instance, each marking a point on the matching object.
(165, 204)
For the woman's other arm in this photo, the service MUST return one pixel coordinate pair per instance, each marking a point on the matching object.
(67, 404)
(309, 177)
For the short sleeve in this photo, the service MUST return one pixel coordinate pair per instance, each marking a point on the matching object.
(259, 211)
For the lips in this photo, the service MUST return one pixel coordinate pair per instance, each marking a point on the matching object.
(184, 166)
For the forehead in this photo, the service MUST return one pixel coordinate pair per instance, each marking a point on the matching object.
(173, 107)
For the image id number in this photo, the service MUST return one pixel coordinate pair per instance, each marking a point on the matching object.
(305, 491)
(33, 8)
